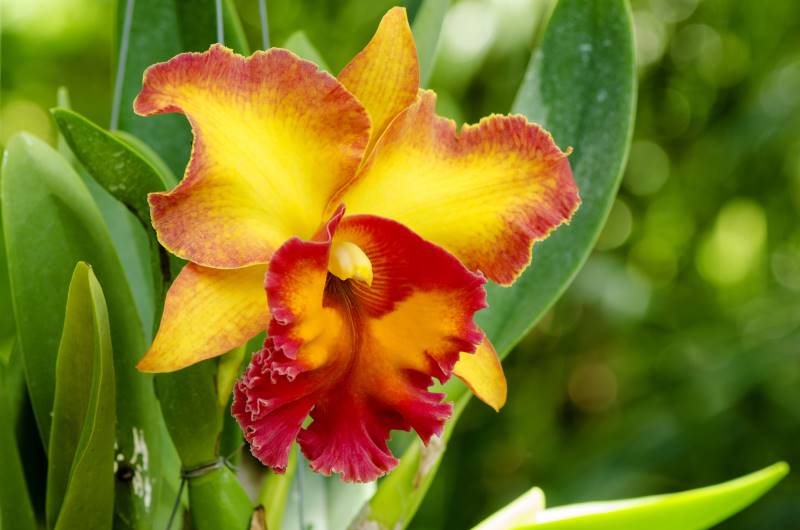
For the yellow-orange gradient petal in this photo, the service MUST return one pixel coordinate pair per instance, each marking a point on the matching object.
(384, 76)
(274, 137)
(368, 370)
(483, 374)
(485, 194)
(206, 313)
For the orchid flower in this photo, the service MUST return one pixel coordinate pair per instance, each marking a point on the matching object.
(355, 226)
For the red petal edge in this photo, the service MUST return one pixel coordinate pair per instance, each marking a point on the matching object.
(375, 376)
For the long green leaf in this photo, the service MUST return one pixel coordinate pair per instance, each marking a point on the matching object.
(427, 27)
(400, 494)
(147, 153)
(161, 29)
(274, 492)
(117, 167)
(80, 475)
(327, 503)
(580, 85)
(522, 510)
(7, 328)
(50, 223)
(125, 173)
(689, 510)
(129, 238)
(299, 43)
(16, 510)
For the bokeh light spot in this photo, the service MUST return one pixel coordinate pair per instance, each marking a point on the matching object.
(651, 37)
(648, 168)
(22, 114)
(672, 11)
(733, 248)
(618, 226)
(656, 258)
(592, 387)
(469, 29)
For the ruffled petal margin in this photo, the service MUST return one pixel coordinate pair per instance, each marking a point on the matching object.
(359, 360)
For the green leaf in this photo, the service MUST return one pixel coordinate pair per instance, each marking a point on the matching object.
(118, 168)
(133, 246)
(689, 510)
(427, 27)
(129, 171)
(161, 29)
(88, 141)
(580, 85)
(274, 492)
(80, 474)
(50, 223)
(299, 43)
(7, 328)
(16, 510)
(399, 494)
(146, 152)
(328, 503)
(522, 510)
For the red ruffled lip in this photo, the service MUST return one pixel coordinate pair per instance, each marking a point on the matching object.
(359, 360)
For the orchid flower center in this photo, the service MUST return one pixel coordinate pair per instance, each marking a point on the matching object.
(348, 261)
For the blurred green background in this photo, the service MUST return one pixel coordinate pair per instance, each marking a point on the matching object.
(674, 359)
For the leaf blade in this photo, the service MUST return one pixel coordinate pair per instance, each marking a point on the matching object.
(580, 86)
(119, 169)
(128, 172)
(15, 501)
(274, 493)
(47, 206)
(427, 28)
(80, 487)
(299, 44)
(696, 509)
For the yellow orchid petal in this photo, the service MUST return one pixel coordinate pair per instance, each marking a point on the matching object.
(384, 76)
(485, 194)
(206, 313)
(483, 374)
(274, 137)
